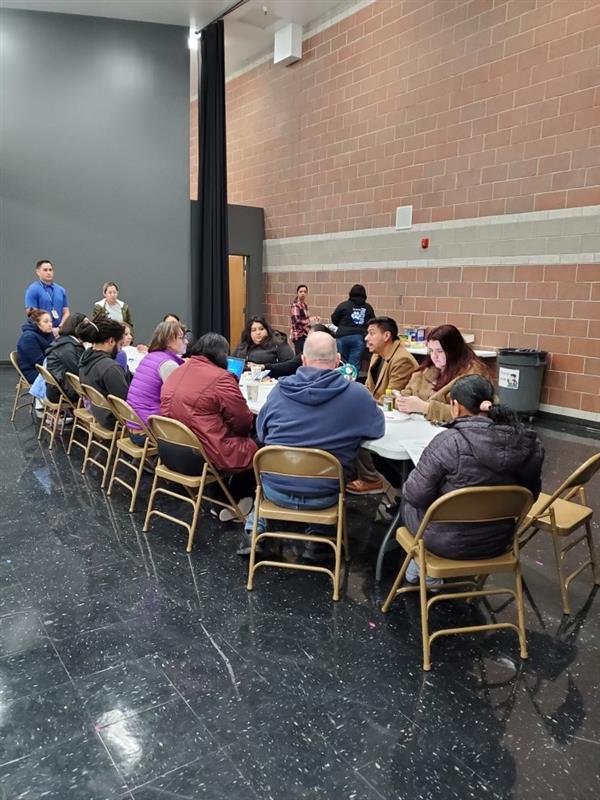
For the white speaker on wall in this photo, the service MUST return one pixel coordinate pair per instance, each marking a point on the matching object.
(288, 44)
(403, 217)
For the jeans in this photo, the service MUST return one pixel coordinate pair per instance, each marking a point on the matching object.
(350, 348)
(296, 502)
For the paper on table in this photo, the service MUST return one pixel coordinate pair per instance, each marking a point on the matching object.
(415, 447)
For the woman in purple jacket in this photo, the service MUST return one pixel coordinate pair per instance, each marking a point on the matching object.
(484, 445)
(164, 356)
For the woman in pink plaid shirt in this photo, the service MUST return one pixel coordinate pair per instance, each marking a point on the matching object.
(300, 318)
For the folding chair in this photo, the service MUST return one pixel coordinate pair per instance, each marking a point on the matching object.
(82, 416)
(126, 447)
(182, 460)
(21, 390)
(559, 516)
(477, 504)
(53, 414)
(298, 462)
(102, 438)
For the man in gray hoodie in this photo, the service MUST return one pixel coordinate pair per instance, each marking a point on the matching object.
(316, 407)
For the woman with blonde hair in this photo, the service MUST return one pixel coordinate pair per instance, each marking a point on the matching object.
(164, 355)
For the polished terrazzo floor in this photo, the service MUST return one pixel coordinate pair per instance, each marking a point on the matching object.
(129, 669)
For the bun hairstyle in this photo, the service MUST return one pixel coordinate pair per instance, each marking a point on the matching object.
(100, 330)
(35, 314)
(71, 324)
(476, 394)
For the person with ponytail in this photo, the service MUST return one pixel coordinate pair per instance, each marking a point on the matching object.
(484, 445)
(98, 367)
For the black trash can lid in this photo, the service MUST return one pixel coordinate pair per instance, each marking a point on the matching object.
(521, 351)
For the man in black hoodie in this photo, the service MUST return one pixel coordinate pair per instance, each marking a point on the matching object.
(98, 367)
(352, 318)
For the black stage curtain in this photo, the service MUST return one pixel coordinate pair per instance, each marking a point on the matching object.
(210, 273)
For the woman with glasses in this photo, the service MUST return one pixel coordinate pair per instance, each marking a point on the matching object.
(449, 358)
(163, 357)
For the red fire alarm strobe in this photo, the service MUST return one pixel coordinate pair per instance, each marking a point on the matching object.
(425, 243)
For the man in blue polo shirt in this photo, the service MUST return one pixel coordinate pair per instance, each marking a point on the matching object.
(46, 294)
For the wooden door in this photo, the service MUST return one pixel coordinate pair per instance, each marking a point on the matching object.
(237, 299)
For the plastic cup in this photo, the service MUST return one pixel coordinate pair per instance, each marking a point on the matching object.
(252, 390)
(255, 372)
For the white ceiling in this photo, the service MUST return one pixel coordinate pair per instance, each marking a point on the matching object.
(248, 30)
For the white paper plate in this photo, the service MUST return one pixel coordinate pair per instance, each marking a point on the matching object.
(395, 416)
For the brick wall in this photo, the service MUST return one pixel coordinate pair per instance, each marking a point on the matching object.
(461, 109)
(553, 307)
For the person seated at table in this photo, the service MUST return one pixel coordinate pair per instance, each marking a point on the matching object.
(484, 445)
(35, 339)
(130, 355)
(316, 407)
(98, 367)
(164, 355)
(391, 367)
(189, 337)
(280, 369)
(261, 344)
(110, 306)
(352, 318)
(206, 397)
(449, 357)
(64, 356)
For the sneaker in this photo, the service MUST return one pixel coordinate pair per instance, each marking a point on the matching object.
(317, 551)
(246, 545)
(364, 487)
(245, 506)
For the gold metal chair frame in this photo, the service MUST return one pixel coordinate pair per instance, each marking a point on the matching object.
(560, 516)
(476, 504)
(101, 438)
(126, 447)
(298, 462)
(173, 432)
(21, 389)
(53, 414)
(82, 417)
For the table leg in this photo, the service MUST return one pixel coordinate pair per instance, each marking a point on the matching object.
(389, 540)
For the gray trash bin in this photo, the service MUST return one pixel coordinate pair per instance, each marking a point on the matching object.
(520, 376)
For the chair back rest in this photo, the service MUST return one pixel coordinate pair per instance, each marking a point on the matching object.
(126, 414)
(95, 397)
(15, 363)
(579, 477)
(75, 384)
(479, 504)
(178, 447)
(49, 378)
(298, 462)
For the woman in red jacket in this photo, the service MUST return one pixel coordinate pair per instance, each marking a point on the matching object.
(206, 397)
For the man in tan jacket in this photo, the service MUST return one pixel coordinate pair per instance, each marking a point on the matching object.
(391, 367)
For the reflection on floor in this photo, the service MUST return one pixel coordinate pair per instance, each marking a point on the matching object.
(130, 669)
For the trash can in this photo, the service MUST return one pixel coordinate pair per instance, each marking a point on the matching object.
(520, 376)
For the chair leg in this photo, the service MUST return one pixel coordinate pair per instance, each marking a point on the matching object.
(72, 436)
(564, 594)
(86, 454)
(396, 585)
(150, 502)
(197, 505)
(250, 584)
(337, 570)
(592, 549)
(17, 395)
(520, 611)
(112, 474)
(136, 485)
(347, 556)
(109, 458)
(42, 421)
(424, 612)
(55, 421)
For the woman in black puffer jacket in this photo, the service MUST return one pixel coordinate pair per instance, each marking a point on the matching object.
(262, 345)
(484, 445)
